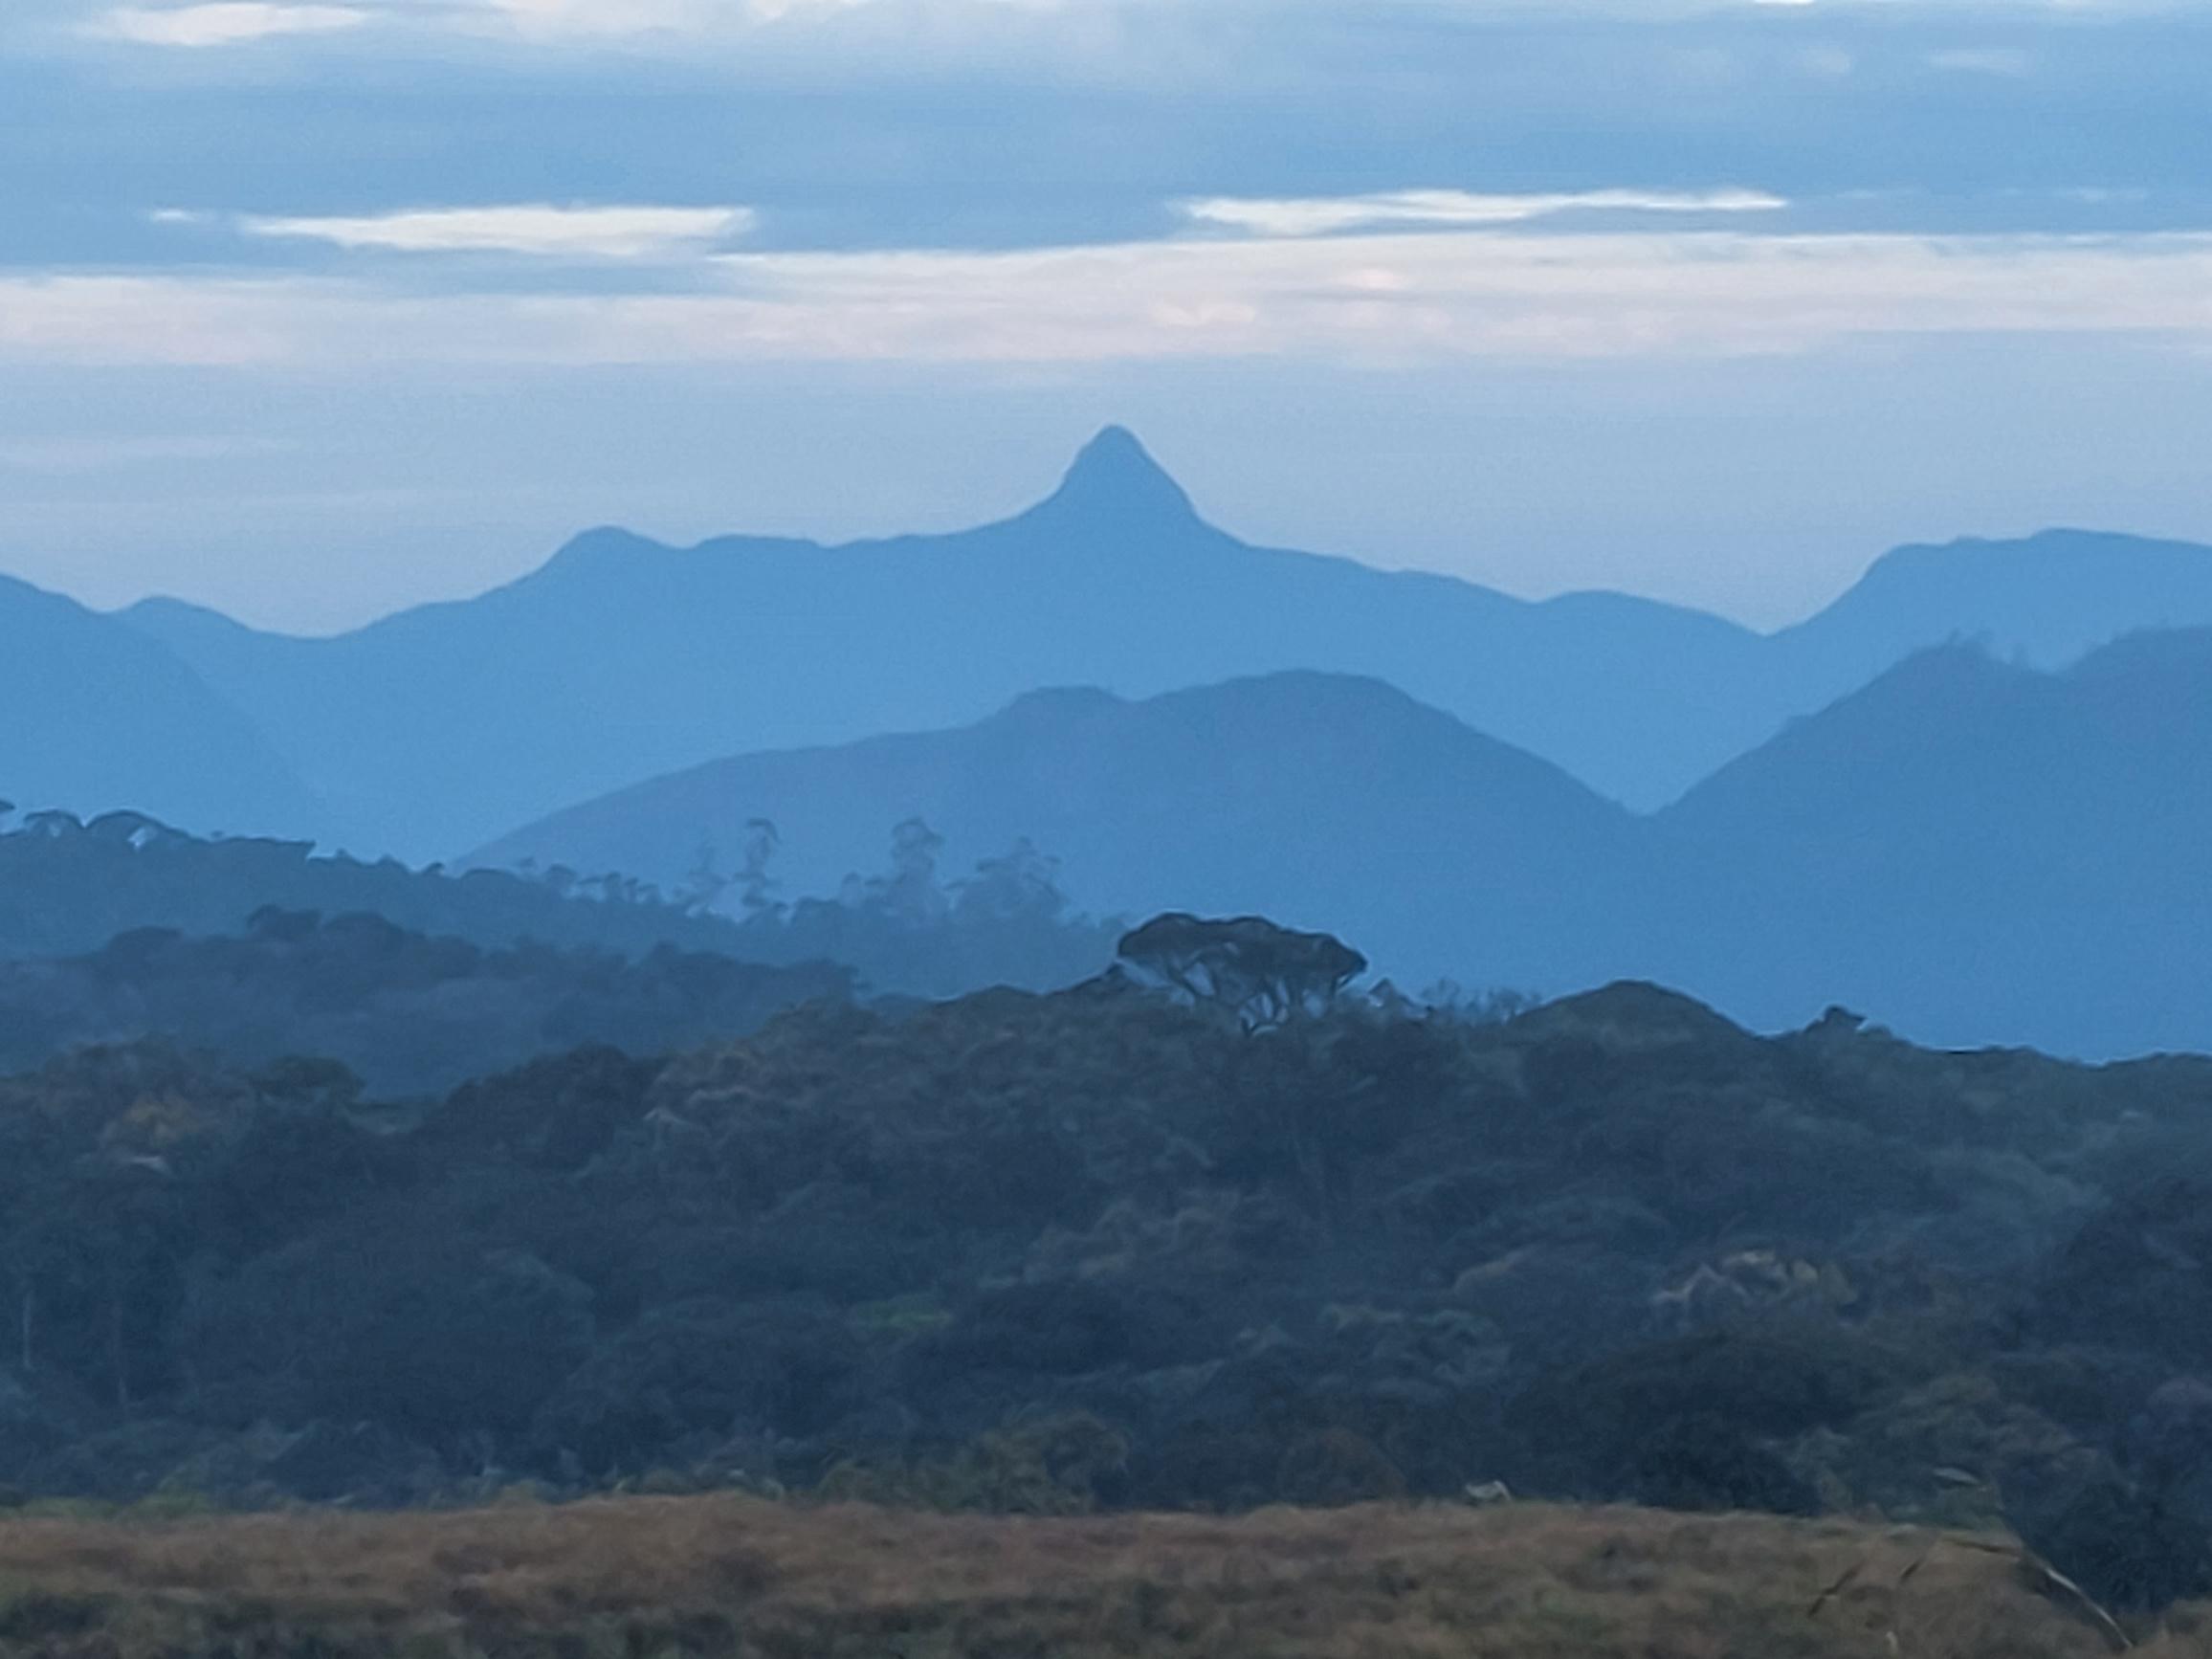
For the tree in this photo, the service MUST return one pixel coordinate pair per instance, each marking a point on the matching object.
(1264, 975)
(756, 886)
(910, 892)
(1024, 884)
(94, 1270)
(444, 1333)
(705, 885)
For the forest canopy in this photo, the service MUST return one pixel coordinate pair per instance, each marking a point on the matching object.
(69, 890)
(1107, 1248)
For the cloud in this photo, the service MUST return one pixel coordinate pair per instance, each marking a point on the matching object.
(688, 18)
(608, 16)
(225, 23)
(1378, 299)
(1324, 215)
(546, 232)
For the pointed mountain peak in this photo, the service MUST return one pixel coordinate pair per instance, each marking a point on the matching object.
(1115, 484)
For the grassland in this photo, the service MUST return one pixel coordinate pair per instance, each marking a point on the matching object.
(659, 1578)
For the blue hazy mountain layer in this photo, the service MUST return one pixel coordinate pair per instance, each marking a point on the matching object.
(1987, 852)
(437, 729)
(100, 715)
(1317, 800)
(1970, 851)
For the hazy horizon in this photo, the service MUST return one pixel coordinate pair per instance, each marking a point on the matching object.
(994, 506)
(310, 311)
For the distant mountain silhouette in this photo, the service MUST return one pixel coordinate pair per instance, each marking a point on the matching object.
(2045, 601)
(623, 659)
(1974, 852)
(98, 717)
(1318, 800)
(1986, 853)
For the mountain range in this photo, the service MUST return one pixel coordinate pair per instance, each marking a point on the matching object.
(1968, 797)
(99, 715)
(437, 729)
(1981, 852)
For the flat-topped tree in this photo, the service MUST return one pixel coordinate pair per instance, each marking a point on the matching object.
(1264, 974)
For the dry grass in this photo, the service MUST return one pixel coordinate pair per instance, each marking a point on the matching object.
(653, 1579)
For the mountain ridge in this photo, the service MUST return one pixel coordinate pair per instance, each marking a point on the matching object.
(1921, 851)
(1140, 800)
(623, 658)
(101, 716)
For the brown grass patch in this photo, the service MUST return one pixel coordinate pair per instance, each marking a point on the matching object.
(661, 1578)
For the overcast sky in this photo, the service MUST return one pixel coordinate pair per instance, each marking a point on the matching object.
(310, 311)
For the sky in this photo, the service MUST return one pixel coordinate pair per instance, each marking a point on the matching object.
(313, 311)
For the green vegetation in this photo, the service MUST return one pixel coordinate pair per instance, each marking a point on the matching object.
(68, 889)
(409, 1014)
(122, 930)
(1124, 1248)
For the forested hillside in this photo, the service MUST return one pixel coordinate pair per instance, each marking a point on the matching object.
(1209, 1232)
(406, 1013)
(67, 888)
(1321, 799)
(108, 905)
